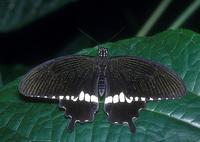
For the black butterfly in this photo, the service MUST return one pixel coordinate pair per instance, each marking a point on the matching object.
(78, 82)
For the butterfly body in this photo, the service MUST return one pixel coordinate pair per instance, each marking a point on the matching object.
(102, 61)
(126, 83)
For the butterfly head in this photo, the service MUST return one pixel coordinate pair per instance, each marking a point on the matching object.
(103, 52)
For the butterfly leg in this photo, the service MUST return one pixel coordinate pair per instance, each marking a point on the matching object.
(78, 111)
(123, 112)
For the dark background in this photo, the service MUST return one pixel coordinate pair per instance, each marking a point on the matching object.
(54, 33)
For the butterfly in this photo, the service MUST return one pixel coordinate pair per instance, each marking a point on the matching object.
(126, 83)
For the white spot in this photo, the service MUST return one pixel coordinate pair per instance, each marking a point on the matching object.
(77, 121)
(74, 99)
(81, 96)
(121, 97)
(143, 98)
(116, 122)
(45, 96)
(61, 97)
(67, 97)
(69, 116)
(108, 100)
(134, 118)
(166, 98)
(86, 120)
(159, 98)
(140, 109)
(125, 122)
(53, 97)
(87, 97)
(129, 100)
(151, 99)
(116, 99)
(38, 96)
(94, 99)
(136, 98)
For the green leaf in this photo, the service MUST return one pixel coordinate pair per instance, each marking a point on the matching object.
(170, 120)
(11, 72)
(17, 13)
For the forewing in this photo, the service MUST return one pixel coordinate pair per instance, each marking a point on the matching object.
(147, 79)
(70, 79)
(132, 82)
(58, 77)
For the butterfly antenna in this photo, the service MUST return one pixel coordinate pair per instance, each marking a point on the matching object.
(115, 35)
(88, 36)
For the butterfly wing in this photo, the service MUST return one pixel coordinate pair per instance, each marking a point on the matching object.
(71, 80)
(132, 82)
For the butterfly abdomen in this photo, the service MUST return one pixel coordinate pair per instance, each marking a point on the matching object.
(101, 84)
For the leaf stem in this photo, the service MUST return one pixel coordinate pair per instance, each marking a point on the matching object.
(153, 18)
(185, 15)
